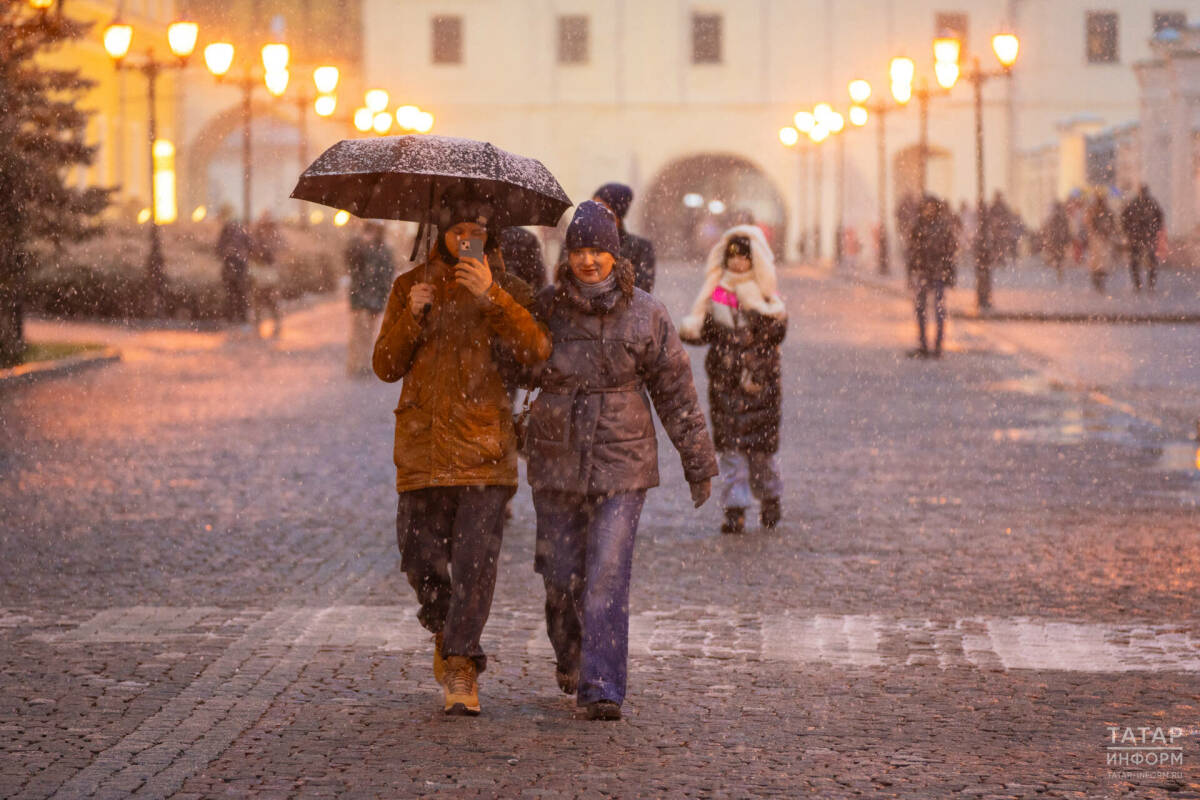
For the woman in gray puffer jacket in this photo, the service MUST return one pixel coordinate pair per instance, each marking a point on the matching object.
(593, 451)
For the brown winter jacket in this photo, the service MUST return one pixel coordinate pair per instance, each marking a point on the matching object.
(454, 422)
(591, 429)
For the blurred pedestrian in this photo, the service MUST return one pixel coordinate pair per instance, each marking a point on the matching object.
(617, 197)
(1056, 238)
(266, 243)
(523, 256)
(740, 316)
(372, 267)
(1142, 221)
(233, 249)
(455, 450)
(931, 268)
(593, 453)
(1101, 228)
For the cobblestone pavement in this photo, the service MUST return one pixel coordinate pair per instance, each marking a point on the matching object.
(981, 574)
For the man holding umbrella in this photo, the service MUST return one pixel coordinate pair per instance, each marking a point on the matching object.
(455, 450)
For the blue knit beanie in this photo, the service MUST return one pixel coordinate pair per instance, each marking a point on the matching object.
(616, 196)
(594, 226)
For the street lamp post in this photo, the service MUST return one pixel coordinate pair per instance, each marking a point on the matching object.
(860, 93)
(1005, 46)
(219, 58)
(181, 38)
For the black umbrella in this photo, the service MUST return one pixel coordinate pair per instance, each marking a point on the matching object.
(405, 177)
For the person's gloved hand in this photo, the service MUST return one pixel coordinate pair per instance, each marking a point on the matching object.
(701, 491)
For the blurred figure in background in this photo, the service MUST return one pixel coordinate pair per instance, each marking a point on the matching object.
(1056, 237)
(617, 197)
(266, 242)
(1101, 228)
(522, 253)
(371, 266)
(1142, 220)
(233, 249)
(932, 250)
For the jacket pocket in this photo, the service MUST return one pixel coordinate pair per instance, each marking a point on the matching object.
(476, 436)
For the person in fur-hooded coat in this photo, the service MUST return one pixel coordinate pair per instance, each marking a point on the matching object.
(740, 316)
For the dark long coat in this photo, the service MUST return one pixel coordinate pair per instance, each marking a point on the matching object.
(591, 429)
(639, 251)
(745, 391)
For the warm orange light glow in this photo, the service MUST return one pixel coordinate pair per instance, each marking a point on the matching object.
(836, 122)
(789, 136)
(364, 118)
(325, 105)
(946, 49)
(181, 36)
(218, 57)
(860, 91)
(276, 82)
(858, 116)
(804, 121)
(325, 79)
(341, 218)
(407, 117)
(819, 133)
(1006, 46)
(424, 122)
(275, 57)
(382, 123)
(41, 5)
(117, 39)
(902, 92)
(902, 70)
(376, 100)
(947, 74)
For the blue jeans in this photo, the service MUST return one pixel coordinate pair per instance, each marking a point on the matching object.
(585, 557)
(746, 475)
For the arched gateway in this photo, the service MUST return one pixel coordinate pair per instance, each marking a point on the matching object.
(693, 199)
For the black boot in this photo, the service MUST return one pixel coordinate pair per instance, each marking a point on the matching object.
(771, 513)
(735, 521)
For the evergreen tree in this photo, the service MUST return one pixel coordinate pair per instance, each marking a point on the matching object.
(42, 137)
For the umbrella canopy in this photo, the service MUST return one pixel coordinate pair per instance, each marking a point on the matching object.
(404, 177)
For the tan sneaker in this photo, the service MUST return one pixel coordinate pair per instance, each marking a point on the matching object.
(439, 663)
(460, 686)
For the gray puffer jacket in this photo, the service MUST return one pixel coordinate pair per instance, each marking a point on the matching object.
(590, 428)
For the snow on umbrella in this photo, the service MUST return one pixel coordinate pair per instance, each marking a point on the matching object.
(403, 177)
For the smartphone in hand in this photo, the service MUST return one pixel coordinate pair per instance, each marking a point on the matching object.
(471, 247)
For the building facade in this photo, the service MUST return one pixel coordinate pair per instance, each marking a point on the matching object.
(636, 90)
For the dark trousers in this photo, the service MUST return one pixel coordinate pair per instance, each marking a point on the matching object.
(449, 542)
(585, 557)
(235, 276)
(1139, 252)
(938, 288)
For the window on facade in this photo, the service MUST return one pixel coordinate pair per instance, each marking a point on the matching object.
(1169, 20)
(706, 38)
(572, 39)
(447, 39)
(1102, 37)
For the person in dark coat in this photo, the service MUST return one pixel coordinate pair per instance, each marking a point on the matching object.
(372, 267)
(639, 251)
(1142, 220)
(1056, 237)
(738, 313)
(593, 452)
(931, 266)
(234, 245)
(1101, 226)
(523, 256)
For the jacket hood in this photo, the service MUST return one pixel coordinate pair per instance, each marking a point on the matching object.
(763, 289)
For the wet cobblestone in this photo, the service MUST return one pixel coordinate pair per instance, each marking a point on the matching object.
(186, 536)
